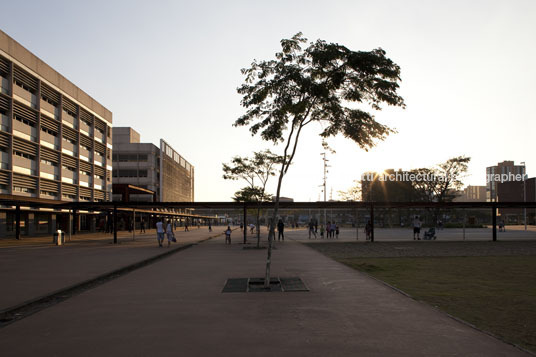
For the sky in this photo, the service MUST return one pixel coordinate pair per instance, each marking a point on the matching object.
(170, 70)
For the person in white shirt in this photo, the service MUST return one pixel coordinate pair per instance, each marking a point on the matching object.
(160, 232)
(416, 228)
(169, 233)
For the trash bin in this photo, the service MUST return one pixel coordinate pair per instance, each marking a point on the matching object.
(59, 237)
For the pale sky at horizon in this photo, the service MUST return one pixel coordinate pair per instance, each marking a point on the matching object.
(170, 70)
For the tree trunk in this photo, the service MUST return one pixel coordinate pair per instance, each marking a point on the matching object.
(271, 232)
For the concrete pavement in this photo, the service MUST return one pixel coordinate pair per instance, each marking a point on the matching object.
(175, 307)
(31, 271)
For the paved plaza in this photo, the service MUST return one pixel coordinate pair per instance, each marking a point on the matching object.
(175, 306)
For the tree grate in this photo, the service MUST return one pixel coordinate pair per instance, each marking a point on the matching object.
(244, 285)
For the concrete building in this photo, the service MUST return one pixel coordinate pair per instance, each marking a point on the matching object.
(503, 172)
(161, 170)
(472, 194)
(55, 142)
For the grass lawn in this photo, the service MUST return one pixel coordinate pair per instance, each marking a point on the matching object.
(496, 294)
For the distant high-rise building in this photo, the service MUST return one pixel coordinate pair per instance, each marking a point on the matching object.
(55, 142)
(158, 169)
(503, 172)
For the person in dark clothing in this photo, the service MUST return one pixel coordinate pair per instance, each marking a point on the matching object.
(280, 229)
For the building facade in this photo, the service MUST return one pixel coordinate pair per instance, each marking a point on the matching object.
(502, 172)
(159, 169)
(55, 140)
(472, 194)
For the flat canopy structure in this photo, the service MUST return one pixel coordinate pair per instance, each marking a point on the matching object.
(125, 190)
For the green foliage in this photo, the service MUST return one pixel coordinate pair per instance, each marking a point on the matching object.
(315, 84)
(251, 194)
(260, 166)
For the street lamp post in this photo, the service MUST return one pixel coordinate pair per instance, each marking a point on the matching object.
(525, 193)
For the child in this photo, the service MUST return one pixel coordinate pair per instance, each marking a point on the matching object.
(228, 235)
(337, 231)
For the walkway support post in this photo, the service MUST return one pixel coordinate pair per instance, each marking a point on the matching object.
(356, 223)
(115, 224)
(133, 224)
(17, 222)
(494, 222)
(372, 221)
(244, 224)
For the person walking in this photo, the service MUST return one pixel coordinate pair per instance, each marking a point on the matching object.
(170, 234)
(368, 230)
(417, 228)
(336, 231)
(142, 226)
(328, 230)
(312, 229)
(160, 232)
(280, 230)
(228, 235)
(186, 226)
(209, 227)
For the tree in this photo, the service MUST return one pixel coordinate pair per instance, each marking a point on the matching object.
(440, 184)
(260, 166)
(316, 84)
(354, 193)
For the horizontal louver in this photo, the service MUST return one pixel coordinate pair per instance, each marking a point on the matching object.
(24, 147)
(4, 178)
(99, 124)
(86, 192)
(68, 161)
(4, 140)
(100, 148)
(70, 134)
(50, 186)
(4, 103)
(84, 166)
(85, 116)
(24, 181)
(4, 66)
(50, 124)
(24, 112)
(50, 155)
(50, 94)
(69, 106)
(84, 140)
(68, 189)
(99, 195)
(100, 171)
(23, 77)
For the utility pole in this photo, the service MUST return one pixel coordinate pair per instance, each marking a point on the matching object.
(325, 180)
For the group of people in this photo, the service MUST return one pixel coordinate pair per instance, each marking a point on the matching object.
(331, 230)
(161, 232)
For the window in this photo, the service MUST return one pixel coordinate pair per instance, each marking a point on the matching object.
(24, 155)
(72, 197)
(49, 101)
(48, 193)
(48, 162)
(85, 198)
(68, 140)
(101, 177)
(142, 173)
(23, 189)
(68, 168)
(85, 173)
(23, 86)
(24, 121)
(142, 157)
(48, 131)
